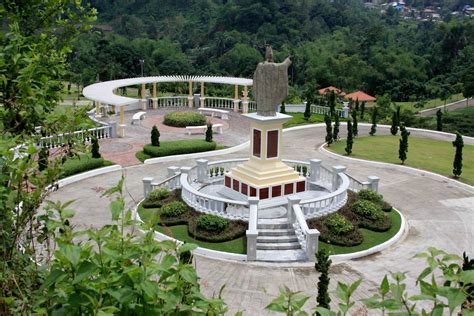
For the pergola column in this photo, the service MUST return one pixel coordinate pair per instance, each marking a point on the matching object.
(155, 100)
(202, 98)
(190, 94)
(245, 100)
(97, 108)
(122, 122)
(143, 96)
(236, 98)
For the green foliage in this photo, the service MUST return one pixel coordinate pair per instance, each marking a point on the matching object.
(403, 148)
(355, 127)
(322, 265)
(335, 132)
(212, 223)
(394, 127)
(439, 120)
(373, 128)
(33, 62)
(155, 136)
(95, 148)
(370, 195)
(350, 138)
(43, 157)
(307, 111)
(282, 108)
(468, 82)
(82, 163)
(174, 209)
(332, 103)
(178, 147)
(368, 209)
(118, 271)
(183, 119)
(155, 198)
(362, 110)
(338, 224)
(209, 133)
(327, 120)
(288, 302)
(457, 163)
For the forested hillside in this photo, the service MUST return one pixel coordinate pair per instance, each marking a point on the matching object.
(336, 42)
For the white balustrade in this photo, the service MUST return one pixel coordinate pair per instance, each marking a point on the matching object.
(220, 103)
(323, 110)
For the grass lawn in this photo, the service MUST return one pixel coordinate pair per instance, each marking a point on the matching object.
(298, 119)
(371, 238)
(427, 154)
(431, 103)
(180, 232)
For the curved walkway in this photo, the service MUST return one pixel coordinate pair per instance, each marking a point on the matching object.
(439, 213)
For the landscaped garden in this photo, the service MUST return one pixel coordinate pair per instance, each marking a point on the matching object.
(427, 154)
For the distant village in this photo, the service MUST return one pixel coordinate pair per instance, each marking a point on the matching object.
(428, 13)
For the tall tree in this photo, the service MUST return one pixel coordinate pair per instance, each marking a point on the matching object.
(332, 103)
(355, 125)
(34, 45)
(95, 150)
(335, 133)
(394, 127)
(439, 120)
(350, 138)
(282, 108)
(362, 110)
(323, 264)
(307, 110)
(373, 128)
(403, 147)
(327, 120)
(468, 83)
(155, 136)
(457, 163)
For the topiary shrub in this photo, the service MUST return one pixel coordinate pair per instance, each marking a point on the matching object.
(183, 119)
(178, 147)
(370, 195)
(174, 209)
(338, 224)
(212, 223)
(156, 197)
(368, 210)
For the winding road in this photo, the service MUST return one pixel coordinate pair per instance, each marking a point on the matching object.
(439, 213)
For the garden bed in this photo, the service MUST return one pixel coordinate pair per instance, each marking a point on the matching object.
(176, 147)
(183, 119)
(82, 163)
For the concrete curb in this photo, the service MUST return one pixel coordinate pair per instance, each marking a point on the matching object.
(412, 170)
(197, 155)
(88, 174)
(205, 252)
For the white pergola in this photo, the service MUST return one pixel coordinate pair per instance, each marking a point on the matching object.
(103, 92)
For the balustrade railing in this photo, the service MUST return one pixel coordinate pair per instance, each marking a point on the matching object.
(252, 106)
(172, 101)
(54, 141)
(323, 110)
(219, 103)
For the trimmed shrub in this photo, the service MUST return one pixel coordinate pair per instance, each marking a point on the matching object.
(338, 224)
(212, 223)
(234, 230)
(156, 197)
(209, 133)
(95, 148)
(174, 209)
(386, 207)
(368, 210)
(183, 119)
(370, 195)
(155, 136)
(82, 163)
(178, 147)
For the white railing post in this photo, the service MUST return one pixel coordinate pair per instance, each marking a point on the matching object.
(173, 170)
(147, 186)
(113, 129)
(345, 110)
(202, 165)
(236, 105)
(335, 176)
(245, 107)
(374, 183)
(315, 166)
(312, 239)
(252, 232)
(292, 200)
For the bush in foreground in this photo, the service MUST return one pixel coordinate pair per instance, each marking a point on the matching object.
(183, 119)
(178, 147)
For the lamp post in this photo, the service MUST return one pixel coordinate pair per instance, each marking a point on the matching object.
(142, 62)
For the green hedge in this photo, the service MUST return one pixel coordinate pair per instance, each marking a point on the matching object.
(212, 223)
(235, 229)
(367, 209)
(370, 195)
(174, 209)
(82, 163)
(338, 224)
(183, 119)
(178, 147)
(155, 198)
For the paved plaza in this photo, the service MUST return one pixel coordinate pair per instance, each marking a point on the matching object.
(439, 213)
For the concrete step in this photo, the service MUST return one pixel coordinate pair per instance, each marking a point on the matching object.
(281, 255)
(277, 239)
(276, 232)
(274, 226)
(278, 246)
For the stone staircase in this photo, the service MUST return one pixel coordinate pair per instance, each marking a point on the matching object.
(277, 241)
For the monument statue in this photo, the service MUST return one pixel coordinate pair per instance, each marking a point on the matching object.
(270, 84)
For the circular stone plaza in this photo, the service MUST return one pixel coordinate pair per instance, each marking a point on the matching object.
(272, 178)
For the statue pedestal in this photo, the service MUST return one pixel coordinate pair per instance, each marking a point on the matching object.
(265, 175)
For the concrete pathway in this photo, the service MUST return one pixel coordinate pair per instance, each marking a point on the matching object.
(439, 213)
(448, 107)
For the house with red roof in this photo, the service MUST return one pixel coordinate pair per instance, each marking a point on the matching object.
(339, 92)
(360, 95)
